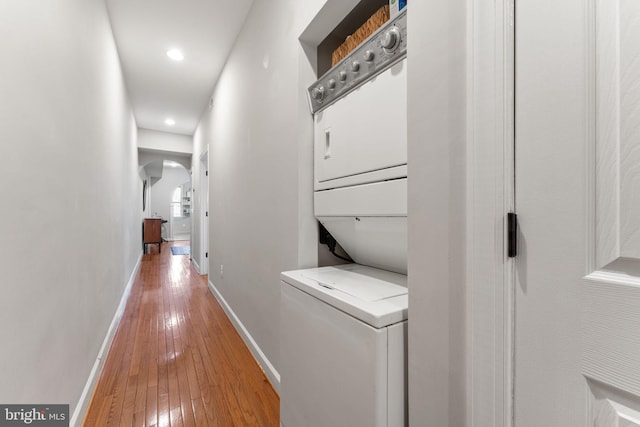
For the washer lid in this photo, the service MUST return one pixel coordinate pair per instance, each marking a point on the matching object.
(357, 285)
(376, 297)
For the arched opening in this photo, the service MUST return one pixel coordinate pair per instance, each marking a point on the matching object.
(167, 194)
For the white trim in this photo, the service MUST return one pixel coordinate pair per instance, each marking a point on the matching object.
(87, 393)
(203, 208)
(590, 179)
(613, 277)
(490, 195)
(196, 266)
(471, 160)
(507, 325)
(263, 361)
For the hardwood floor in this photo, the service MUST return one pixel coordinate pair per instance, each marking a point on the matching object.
(176, 359)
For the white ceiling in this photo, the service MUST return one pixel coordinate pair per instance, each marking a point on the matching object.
(159, 87)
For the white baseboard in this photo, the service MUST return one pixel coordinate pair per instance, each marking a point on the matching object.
(265, 364)
(196, 266)
(85, 398)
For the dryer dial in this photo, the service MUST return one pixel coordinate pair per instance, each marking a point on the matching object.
(369, 55)
(318, 93)
(391, 39)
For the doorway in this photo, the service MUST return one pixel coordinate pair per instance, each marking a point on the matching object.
(204, 213)
(169, 197)
(179, 223)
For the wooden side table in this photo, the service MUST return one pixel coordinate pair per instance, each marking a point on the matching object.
(152, 233)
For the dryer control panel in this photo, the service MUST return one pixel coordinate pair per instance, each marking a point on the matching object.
(380, 51)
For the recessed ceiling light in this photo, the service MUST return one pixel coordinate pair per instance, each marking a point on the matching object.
(169, 122)
(175, 54)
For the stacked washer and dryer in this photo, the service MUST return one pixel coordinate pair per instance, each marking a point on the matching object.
(343, 343)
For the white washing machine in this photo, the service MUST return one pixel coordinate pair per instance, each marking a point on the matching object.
(344, 339)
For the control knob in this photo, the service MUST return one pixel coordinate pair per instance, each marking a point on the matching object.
(318, 93)
(391, 39)
(355, 66)
(369, 55)
(331, 84)
(342, 75)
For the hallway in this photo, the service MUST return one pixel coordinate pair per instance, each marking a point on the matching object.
(176, 359)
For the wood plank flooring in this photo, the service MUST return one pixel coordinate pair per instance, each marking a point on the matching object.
(176, 359)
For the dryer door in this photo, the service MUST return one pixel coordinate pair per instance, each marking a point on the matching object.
(366, 130)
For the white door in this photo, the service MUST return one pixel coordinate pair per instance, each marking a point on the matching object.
(577, 330)
(204, 213)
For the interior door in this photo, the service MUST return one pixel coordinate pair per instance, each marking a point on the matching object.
(577, 297)
(204, 213)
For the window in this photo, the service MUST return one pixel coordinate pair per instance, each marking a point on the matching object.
(176, 202)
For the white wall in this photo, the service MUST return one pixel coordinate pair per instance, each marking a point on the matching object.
(162, 190)
(260, 190)
(146, 156)
(437, 193)
(71, 195)
(144, 176)
(164, 141)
